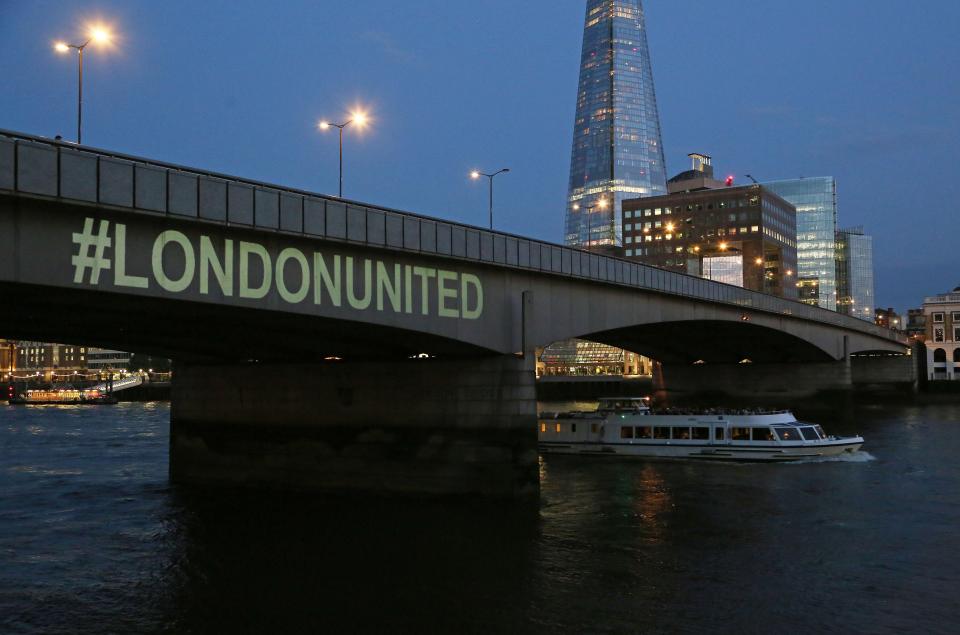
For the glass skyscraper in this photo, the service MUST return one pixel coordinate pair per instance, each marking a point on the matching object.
(617, 152)
(855, 273)
(816, 203)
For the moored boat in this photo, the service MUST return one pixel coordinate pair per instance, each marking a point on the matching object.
(62, 396)
(629, 427)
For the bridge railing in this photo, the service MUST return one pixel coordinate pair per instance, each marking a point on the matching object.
(45, 168)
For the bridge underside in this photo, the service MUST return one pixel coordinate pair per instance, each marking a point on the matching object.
(711, 341)
(198, 332)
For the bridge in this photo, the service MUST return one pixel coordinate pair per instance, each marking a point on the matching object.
(336, 344)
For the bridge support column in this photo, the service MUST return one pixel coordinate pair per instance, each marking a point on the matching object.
(415, 427)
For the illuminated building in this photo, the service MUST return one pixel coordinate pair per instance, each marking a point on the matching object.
(617, 152)
(816, 202)
(580, 358)
(743, 236)
(855, 273)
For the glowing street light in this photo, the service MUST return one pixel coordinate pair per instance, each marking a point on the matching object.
(97, 35)
(476, 174)
(358, 118)
(602, 204)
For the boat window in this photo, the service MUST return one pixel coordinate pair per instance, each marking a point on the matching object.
(661, 432)
(740, 434)
(543, 427)
(823, 435)
(626, 432)
(644, 432)
(558, 427)
(809, 434)
(762, 434)
(788, 434)
(681, 433)
(573, 427)
(593, 428)
(718, 433)
(701, 434)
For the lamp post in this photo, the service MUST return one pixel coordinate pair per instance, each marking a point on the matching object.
(477, 174)
(602, 204)
(97, 35)
(358, 118)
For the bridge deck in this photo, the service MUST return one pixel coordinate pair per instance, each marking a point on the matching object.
(38, 167)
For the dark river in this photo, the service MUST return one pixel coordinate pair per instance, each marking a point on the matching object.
(93, 539)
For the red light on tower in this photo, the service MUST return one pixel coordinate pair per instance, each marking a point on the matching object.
(729, 181)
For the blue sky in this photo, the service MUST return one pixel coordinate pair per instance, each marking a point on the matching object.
(866, 91)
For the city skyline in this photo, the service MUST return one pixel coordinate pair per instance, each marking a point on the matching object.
(807, 112)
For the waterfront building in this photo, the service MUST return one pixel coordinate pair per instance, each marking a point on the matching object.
(50, 360)
(887, 318)
(8, 357)
(580, 358)
(617, 151)
(942, 314)
(917, 325)
(745, 236)
(815, 200)
(101, 359)
(855, 273)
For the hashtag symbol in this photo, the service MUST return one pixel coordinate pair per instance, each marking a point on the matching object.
(83, 260)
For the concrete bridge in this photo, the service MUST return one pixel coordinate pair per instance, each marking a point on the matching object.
(331, 343)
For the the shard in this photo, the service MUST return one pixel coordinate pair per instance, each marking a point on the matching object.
(617, 151)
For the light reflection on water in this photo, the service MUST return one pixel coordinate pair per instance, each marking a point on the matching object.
(94, 539)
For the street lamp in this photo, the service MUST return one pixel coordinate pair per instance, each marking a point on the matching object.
(602, 204)
(477, 174)
(360, 119)
(97, 35)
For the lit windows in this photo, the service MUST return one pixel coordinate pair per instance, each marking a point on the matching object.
(938, 318)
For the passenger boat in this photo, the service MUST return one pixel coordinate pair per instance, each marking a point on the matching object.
(629, 427)
(62, 396)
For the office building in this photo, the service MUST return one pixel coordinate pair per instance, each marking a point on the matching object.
(887, 318)
(855, 273)
(744, 236)
(815, 200)
(942, 314)
(617, 151)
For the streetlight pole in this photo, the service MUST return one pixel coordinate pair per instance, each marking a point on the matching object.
(358, 118)
(99, 36)
(476, 175)
(602, 204)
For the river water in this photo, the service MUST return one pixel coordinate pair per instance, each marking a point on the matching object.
(94, 539)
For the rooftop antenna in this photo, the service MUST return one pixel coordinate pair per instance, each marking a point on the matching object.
(752, 179)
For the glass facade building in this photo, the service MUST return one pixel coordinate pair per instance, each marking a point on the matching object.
(855, 273)
(617, 151)
(816, 203)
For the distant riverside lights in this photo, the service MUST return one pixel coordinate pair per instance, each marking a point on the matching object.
(98, 35)
(358, 117)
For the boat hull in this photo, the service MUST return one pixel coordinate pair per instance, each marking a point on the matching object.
(714, 452)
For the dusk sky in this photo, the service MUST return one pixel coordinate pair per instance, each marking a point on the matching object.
(866, 91)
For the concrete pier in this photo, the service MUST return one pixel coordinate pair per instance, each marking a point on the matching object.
(416, 427)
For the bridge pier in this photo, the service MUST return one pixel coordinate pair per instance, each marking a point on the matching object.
(784, 383)
(416, 427)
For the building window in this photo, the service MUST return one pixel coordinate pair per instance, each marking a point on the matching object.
(956, 356)
(955, 316)
(939, 356)
(629, 253)
(938, 317)
(628, 214)
(956, 334)
(938, 334)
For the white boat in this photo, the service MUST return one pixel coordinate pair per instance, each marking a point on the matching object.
(628, 427)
